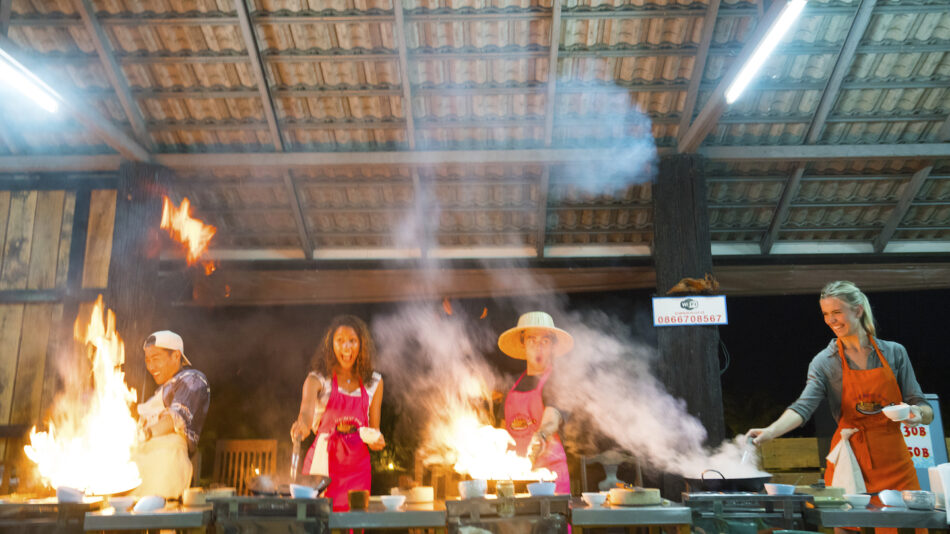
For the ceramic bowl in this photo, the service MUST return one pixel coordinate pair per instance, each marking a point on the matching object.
(473, 489)
(302, 492)
(392, 502)
(858, 500)
(541, 489)
(891, 498)
(67, 494)
(779, 489)
(594, 499)
(121, 504)
(897, 412)
(149, 503)
(919, 500)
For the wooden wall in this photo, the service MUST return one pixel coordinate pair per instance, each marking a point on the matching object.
(55, 248)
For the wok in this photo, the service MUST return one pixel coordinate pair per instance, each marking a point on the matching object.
(712, 480)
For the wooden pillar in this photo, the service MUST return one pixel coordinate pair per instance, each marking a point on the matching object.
(688, 363)
(134, 266)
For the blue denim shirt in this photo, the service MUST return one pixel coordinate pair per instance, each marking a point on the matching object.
(187, 396)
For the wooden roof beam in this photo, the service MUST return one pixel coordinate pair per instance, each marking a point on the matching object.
(699, 68)
(263, 88)
(713, 109)
(293, 196)
(781, 212)
(943, 134)
(399, 29)
(843, 64)
(549, 111)
(114, 72)
(903, 205)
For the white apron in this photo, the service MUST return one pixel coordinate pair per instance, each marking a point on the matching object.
(163, 461)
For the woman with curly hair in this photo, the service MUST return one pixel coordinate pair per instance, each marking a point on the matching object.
(341, 395)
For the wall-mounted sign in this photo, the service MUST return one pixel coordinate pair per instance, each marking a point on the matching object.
(689, 311)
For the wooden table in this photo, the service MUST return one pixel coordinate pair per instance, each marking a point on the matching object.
(904, 520)
(173, 516)
(428, 516)
(673, 517)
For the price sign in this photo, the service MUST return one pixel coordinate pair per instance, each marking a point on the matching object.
(689, 311)
(920, 444)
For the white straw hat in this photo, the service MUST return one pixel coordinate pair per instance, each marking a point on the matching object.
(167, 339)
(510, 341)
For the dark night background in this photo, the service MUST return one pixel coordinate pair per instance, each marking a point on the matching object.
(256, 358)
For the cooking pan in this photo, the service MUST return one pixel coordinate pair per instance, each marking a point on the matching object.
(712, 480)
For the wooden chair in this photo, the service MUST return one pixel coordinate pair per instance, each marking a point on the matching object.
(235, 460)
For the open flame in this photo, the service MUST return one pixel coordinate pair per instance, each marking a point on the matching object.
(187, 230)
(92, 432)
(486, 452)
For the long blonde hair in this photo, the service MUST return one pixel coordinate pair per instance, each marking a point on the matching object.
(849, 293)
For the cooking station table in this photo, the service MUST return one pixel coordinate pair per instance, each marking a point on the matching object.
(905, 521)
(657, 518)
(173, 516)
(428, 516)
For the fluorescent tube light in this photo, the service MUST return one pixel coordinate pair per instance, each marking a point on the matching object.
(779, 28)
(15, 75)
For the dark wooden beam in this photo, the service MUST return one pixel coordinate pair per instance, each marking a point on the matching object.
(943, 134)
(699, 67)
(257, 65)
(903, 205)
(551, 89)
(293, 196)
(716, 104)
(859, 25)
(543, 187)
(114, 73)
(781, 211)
(399, 34)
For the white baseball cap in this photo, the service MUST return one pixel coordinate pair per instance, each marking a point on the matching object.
(167, 339)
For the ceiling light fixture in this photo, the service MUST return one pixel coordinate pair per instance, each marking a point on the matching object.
(15, 75)
(779, 28)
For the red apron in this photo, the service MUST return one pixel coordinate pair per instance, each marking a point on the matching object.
(878, 446)
(523, 411)
(348, 456)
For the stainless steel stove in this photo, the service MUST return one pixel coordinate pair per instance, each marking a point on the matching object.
(734, 512)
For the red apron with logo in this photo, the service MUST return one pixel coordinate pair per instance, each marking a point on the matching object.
(878, 445)
(523, 411)
(348, 456)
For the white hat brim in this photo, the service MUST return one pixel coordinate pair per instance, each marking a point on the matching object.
(510, 341)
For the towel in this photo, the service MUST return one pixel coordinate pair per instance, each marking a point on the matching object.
(847, 471)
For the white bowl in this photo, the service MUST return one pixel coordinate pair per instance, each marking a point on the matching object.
(472, 489)
(594, 499)
(149, 503)
(302, 492)
(779, 489)
(121, 504)
(541, 489)
(369, 435)
(67, 494)
(897, 412)
(891, 498)
(918, 500)
(858, 500)
(392, 502)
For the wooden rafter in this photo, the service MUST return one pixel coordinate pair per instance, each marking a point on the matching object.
(903, 205)
(257, 64)
(716, 105)
(549, 111)
(830, 95)
(543, 187)
(943, 134)
(699, 67)
(114, 72)
(781, 212)
(399, 30)
(293, 196)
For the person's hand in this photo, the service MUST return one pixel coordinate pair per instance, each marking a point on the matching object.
(914, 418)
(379, 444)
(758, 436)
(298, 431)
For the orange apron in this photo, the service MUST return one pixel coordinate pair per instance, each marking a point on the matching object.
(878, 445)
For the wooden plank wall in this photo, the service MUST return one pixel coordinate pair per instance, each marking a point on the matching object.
(36, 234)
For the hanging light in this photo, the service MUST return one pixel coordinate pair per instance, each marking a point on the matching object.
(779, 28)
(15, 75)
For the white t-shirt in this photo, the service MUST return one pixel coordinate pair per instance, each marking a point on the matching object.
(327, 386)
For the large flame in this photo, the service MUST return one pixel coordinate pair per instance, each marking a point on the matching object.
(187, 230)
(92, 432)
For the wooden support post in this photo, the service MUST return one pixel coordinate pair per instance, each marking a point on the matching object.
(688, 362)
(133, 271)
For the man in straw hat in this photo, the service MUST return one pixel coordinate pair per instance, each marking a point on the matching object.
(170, 421)
(533, 425)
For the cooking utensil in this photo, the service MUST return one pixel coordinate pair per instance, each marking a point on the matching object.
(753, 484)
(295, 458)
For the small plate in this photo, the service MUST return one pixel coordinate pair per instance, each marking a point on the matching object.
(828, 502)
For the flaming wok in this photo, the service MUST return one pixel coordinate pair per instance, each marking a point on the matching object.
(712, 480)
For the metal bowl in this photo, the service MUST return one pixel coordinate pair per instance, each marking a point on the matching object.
(918, 500)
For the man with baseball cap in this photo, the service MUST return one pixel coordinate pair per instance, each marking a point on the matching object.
(170, 421)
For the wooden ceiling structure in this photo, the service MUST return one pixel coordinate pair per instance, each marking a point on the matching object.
(323, 132)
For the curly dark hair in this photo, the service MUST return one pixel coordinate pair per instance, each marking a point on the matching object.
(324, 359)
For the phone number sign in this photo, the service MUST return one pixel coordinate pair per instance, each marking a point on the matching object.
(689, 311)
(920, 444)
